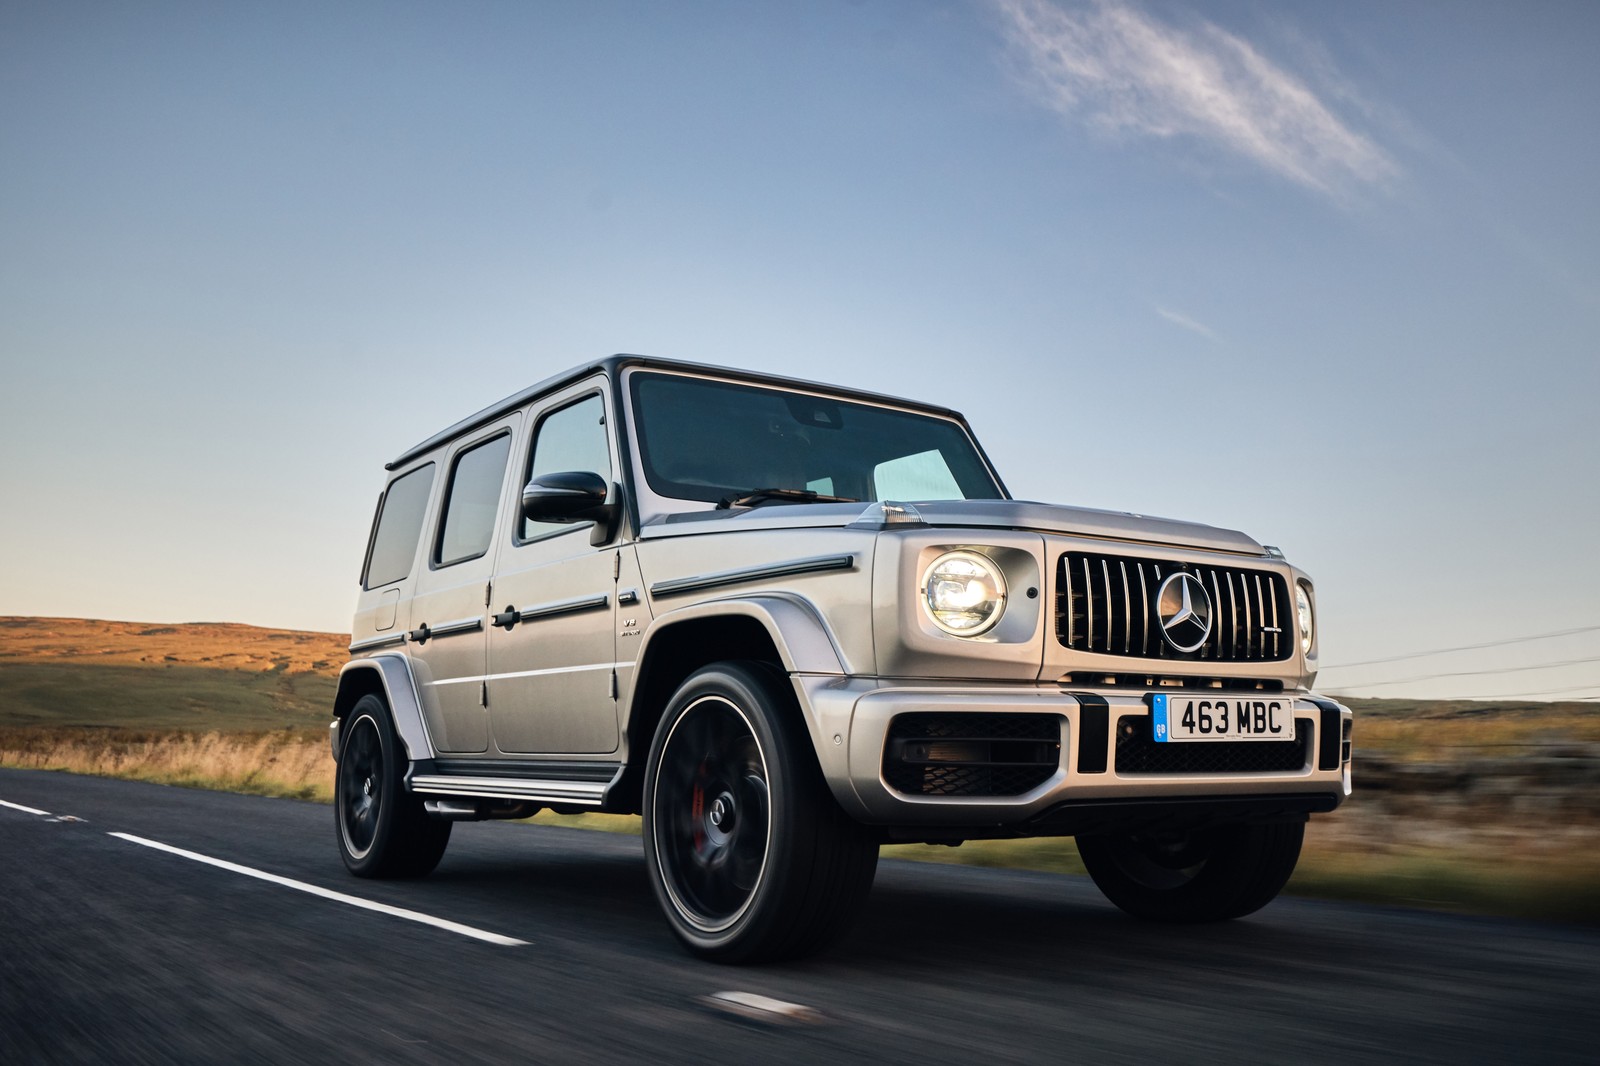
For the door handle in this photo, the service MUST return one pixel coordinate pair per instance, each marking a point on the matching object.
(419, 636)
(507, 618)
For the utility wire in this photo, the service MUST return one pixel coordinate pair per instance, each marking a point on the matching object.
(1467, 647)
(1477, 673)
(1592, 694)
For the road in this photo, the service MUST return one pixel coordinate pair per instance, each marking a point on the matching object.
(116, 951)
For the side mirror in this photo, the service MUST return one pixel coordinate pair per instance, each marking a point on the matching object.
(571, 496)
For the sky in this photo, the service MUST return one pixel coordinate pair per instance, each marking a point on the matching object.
(1326, 273)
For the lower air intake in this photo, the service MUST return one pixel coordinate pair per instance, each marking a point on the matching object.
(1138, 752)
(971, 754)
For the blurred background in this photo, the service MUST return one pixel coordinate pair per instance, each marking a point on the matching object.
(1329, 274)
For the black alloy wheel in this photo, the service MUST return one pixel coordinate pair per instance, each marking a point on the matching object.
(383, 829)
(748, 852)
(1197, 876)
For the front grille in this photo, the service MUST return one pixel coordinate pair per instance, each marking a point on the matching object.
(1138, 752)
(1107, 604)
(932, 754)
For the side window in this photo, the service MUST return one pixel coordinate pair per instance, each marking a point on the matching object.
(397, 527)
(471, 500)
(923, 476)
(572, 438)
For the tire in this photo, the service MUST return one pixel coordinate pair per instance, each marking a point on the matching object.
(1202, 876)
(382, 828)
(748, 853)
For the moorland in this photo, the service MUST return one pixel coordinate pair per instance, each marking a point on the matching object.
(1465, 805)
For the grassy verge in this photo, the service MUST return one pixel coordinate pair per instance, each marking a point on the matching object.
(1366, 852)
(288, 763)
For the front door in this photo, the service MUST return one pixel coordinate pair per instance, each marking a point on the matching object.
(551, 669)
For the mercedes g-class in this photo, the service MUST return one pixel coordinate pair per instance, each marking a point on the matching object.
(787, 622)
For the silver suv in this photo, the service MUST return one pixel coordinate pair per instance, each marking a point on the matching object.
(787, 622)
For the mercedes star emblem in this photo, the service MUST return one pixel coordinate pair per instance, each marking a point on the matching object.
(1184, 607)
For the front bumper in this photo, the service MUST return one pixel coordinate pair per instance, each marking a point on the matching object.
(1101, 768)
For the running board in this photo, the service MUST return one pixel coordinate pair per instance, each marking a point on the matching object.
(539, 790)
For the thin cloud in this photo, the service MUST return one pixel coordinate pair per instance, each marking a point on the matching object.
(1188, 323)
(1115, 66)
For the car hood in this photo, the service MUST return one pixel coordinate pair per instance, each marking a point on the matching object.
(983, 514)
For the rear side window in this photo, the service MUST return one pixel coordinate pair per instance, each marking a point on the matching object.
(399, 524)
(471, 500)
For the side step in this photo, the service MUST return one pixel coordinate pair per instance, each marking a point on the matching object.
(576, 784)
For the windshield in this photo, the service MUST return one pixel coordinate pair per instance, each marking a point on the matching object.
(713, 441)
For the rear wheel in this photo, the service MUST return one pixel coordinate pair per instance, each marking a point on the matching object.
(748, 853)
(382, 828)
(1198, 876)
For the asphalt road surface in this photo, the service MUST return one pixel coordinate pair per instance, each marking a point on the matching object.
(113, 949)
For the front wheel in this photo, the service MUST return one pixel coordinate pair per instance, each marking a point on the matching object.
(382, 828)
(1198, 876)
(748, 852)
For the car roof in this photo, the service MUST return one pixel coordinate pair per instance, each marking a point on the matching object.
(613, 366)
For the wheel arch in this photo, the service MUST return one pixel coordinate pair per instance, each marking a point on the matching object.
(389, 678)
(785, 633)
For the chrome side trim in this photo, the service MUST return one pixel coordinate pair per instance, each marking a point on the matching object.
(817, 564)
(475, 678)
(387, 640)
(558, 607)
(587, 793)
(460, 625)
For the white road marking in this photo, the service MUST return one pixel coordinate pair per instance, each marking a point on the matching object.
(328, 893)
(25, 810)
(763, 1008)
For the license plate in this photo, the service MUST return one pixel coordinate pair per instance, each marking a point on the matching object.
(1186, 718)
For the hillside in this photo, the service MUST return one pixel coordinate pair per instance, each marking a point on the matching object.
(197, 676)
(223, 676)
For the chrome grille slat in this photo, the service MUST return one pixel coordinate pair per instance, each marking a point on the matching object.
(1088, 593)
(1216, 606)
(1244, 587)
(1066, 580)
(1127, 609)
(1105, 577)
(1277, 629)
(1261, 613)
(1100, 616)
(1144, 614)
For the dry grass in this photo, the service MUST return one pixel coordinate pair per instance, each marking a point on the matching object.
(284, 763)
(1427, 730)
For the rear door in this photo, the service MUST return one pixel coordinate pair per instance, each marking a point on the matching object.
(449, 609)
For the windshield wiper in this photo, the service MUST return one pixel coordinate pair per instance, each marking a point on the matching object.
(755, 496)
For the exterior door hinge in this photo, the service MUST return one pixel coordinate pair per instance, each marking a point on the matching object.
(613, 685)
(488, 593)
(616, 565)
(483, 694)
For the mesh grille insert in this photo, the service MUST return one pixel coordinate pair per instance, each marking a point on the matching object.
(931, 754)
(1138, 753)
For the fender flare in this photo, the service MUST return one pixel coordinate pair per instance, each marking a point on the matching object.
(393, 673)
(804, 642)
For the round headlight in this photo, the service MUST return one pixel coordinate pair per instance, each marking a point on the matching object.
(965, 593)
(1307, 619)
